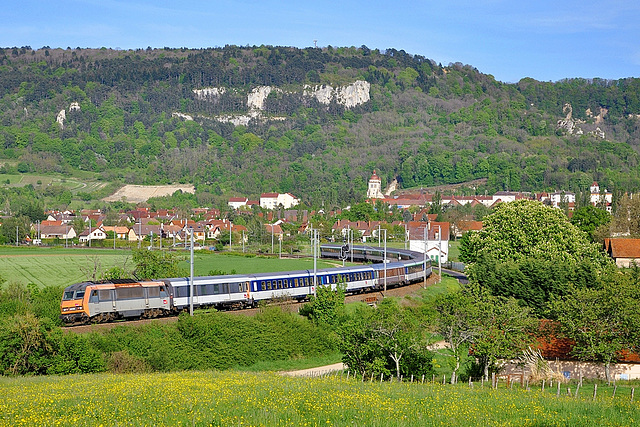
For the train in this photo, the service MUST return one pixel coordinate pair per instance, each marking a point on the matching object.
(105, 301)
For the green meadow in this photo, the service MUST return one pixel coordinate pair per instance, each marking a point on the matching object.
(231, 398)
(62, 267)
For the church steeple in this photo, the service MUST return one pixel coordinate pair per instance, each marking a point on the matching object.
(374, 191)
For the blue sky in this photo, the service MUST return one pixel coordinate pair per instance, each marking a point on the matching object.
(545, 40)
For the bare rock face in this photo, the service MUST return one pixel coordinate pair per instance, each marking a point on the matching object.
(258, 96)
(182, 116)
(571, 126)
(74, 107)
(60, 118)
(349, 96)
(208, 93)
(598, 133)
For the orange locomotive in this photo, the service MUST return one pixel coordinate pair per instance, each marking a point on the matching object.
(110, 300)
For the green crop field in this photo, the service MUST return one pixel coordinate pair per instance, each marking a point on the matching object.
(62, 267)
(244, 398)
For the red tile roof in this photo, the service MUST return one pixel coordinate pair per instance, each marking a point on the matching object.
(623, 248)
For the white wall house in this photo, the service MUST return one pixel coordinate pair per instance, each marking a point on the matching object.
(273, 200)
(437, 246)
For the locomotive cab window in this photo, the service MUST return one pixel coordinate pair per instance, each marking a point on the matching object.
(94, 296)
(68, 295)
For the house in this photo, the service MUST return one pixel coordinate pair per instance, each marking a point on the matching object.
(463, 226)
(625, 252)
(216, 227)
(274, 229)
(600, 197)
(560, 197)
(120, 231)
(237, 202)
(57, 232)
(436, 244)
(92, 234)
(273, 200)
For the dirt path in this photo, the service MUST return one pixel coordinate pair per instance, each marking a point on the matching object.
(312, 372)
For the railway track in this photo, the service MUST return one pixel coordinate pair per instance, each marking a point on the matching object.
(290, 306)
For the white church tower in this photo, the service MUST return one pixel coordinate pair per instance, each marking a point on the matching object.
(375, 187)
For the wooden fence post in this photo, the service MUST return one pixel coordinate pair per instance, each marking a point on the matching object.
(558, 392)
(633, 391)
(595, 391)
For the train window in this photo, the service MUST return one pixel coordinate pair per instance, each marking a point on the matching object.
(80, 294)
(182, 291)
(67, 295)
(104, 295)
(279, 284)
(163, 292)
(93, 297)
(263, 286)
(129, 293)
(268, 285)
(153, 292)
(295, 283)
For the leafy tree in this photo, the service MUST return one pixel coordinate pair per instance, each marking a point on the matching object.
(385, 339)
(505, 330)
(357, 344)
(25, 345)
(604, 322)
(397, 332)
(9, 226)
(588, 218)
(456, 320)
(326, 306)
(626, 219)
(156, 264)
(529, 251)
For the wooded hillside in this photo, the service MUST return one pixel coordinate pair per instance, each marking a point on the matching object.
(425, 124)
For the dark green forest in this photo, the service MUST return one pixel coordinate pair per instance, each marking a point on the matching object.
(425, 124)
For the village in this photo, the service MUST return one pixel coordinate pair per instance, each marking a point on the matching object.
(281, 219)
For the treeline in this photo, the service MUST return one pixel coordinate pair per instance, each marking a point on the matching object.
(426, 124)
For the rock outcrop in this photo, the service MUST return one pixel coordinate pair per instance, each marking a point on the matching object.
(209, 92)
(182, 116)
(349, 96)
(60, 118)
(571, 125)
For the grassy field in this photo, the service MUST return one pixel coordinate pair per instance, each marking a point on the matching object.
(267, 399)
(62, 267)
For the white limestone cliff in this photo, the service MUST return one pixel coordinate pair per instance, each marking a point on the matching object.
(182, 116)
(571, 125)
(209, 92)
(60, 118)
(350, 96)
